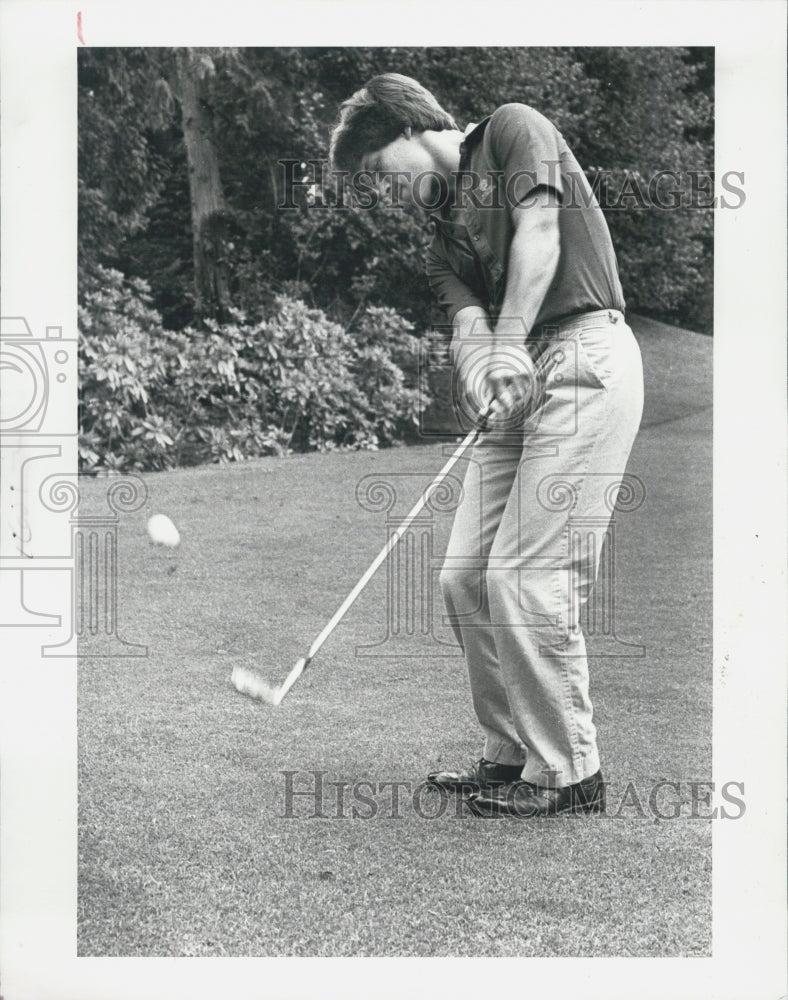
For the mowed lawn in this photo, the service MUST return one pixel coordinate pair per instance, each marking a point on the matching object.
(184, 845)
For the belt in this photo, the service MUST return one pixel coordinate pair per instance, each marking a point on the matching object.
(571, 324)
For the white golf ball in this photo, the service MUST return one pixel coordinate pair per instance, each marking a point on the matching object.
(162, 531)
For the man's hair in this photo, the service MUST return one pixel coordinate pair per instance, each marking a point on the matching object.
(380, 112)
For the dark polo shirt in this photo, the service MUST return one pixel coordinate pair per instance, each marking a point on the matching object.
(502, 160)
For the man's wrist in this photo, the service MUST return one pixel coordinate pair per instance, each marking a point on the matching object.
(511, 329)
(507, 359)
(472, 322)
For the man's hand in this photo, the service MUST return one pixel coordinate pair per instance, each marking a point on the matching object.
(510, 382)
(497, 372)
(491, 367)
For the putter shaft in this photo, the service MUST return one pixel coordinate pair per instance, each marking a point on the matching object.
(277, 694)
(342, 610)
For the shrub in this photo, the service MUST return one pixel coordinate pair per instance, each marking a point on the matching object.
(152, 398)
(118, 374)
(388, 364)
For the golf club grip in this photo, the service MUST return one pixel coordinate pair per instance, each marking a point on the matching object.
(469, 439)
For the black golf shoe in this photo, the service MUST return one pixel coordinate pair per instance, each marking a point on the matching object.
(479, 777)
(523, 800)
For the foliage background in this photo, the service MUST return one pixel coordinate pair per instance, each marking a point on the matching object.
(171, 375)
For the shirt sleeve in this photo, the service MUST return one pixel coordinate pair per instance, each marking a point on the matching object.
(525, 145)
(451, 293)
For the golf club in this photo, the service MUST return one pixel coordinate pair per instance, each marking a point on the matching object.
(250, 683)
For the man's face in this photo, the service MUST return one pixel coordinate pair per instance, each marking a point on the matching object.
(404, 172)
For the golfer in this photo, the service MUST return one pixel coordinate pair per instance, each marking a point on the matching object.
(522, 262)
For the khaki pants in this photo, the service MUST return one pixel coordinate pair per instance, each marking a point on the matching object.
(525, 545)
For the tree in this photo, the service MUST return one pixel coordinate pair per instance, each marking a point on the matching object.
(120, 174)
(191, 75)
(133, 104)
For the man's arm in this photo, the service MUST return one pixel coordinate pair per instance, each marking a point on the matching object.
(472, 339)
(471, 327)
(452, 294)
(475, 345)
(533, 259)
(470, 320)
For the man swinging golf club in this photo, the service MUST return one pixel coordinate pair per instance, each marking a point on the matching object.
(521, 260)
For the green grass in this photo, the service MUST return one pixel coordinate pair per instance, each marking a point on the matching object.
(183, 846)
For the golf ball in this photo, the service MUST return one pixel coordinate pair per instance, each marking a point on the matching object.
(162, 531)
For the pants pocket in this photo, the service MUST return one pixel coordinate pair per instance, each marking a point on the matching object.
(594, 356)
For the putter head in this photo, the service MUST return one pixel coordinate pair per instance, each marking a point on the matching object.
(250, 683)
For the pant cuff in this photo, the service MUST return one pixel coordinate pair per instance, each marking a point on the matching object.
(561, 774)
(501, 751)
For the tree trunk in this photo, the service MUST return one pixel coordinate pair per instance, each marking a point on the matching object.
(192, 87)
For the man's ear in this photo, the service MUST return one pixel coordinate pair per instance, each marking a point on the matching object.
(408, 132)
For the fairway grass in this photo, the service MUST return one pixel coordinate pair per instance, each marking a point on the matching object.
(185, 845)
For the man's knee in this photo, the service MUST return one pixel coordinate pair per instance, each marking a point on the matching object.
(527, 595)
(461, 585)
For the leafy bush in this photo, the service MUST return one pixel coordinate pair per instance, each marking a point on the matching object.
(389, 372)
(152, 398)
(118, 373)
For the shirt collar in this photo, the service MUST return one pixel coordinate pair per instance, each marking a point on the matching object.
(470, 137)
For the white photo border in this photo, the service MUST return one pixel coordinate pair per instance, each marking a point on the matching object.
(38, 184)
